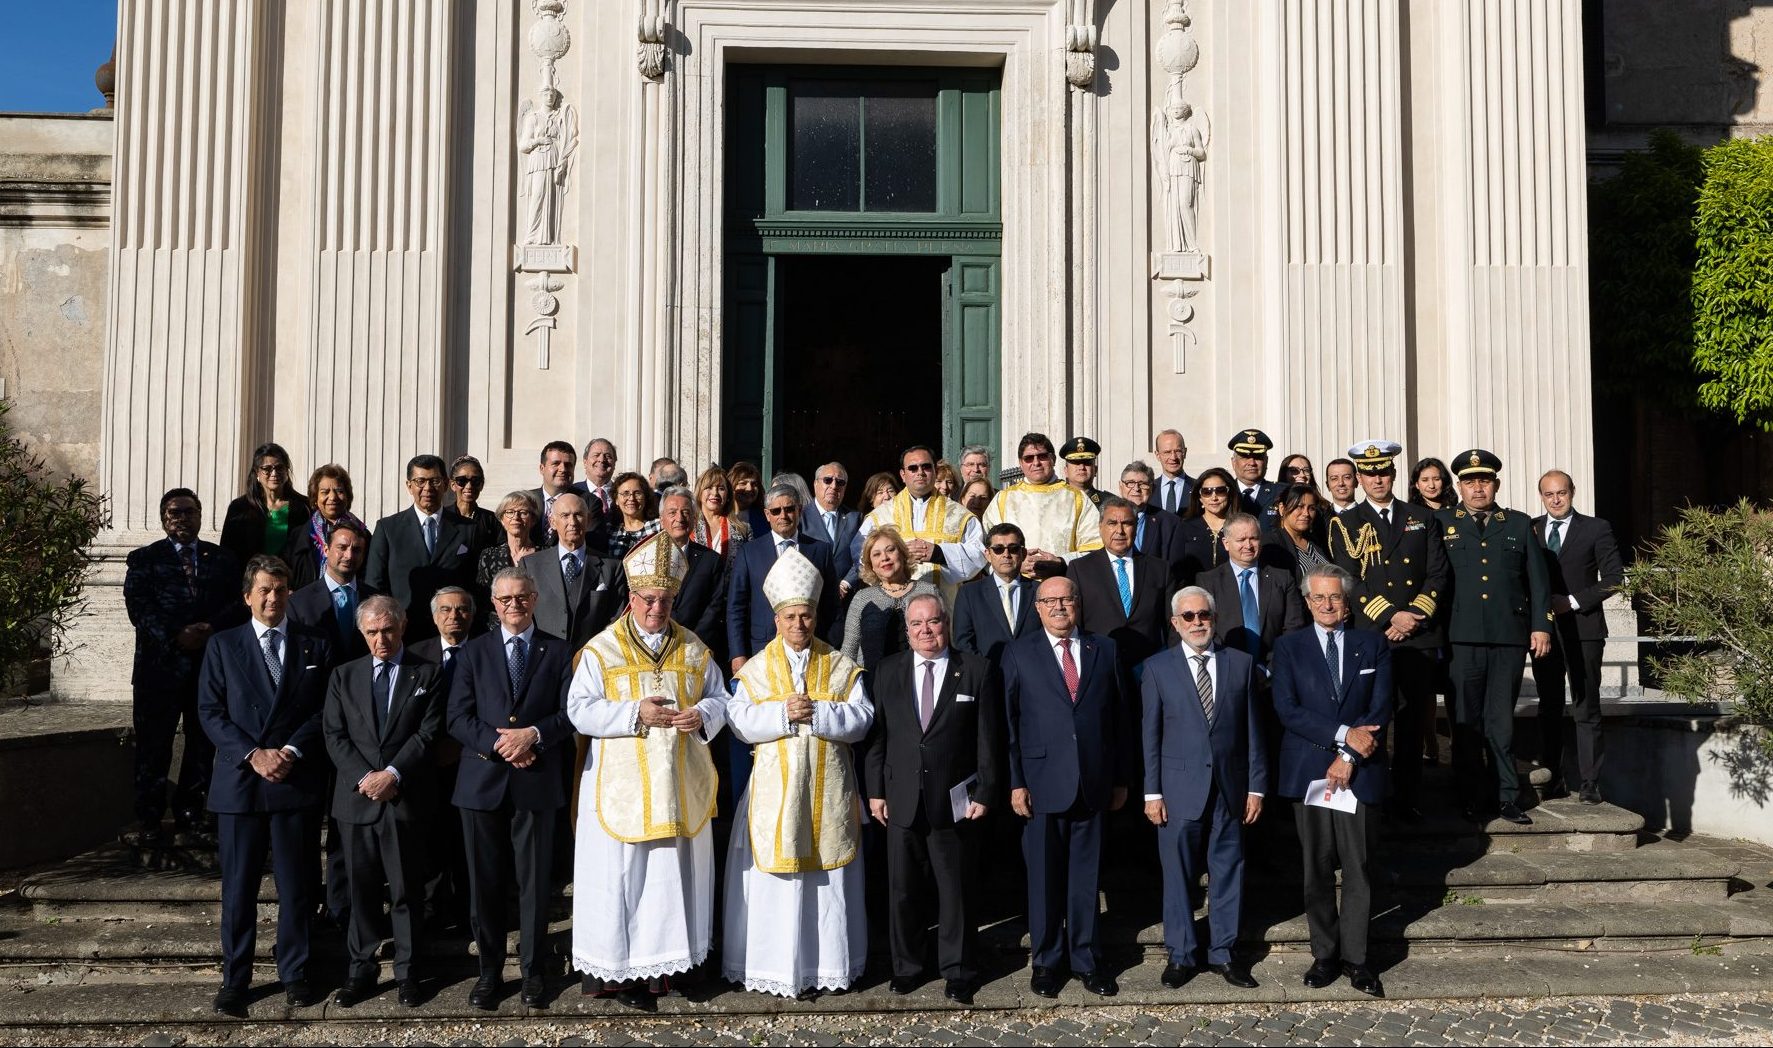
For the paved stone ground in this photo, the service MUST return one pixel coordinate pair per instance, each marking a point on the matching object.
(1677, 1020)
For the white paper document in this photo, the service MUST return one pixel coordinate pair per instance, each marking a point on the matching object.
(1341, 800)
(958, 797)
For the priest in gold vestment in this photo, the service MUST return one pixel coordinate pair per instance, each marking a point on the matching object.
(1058, 522)
(796, 923)
(649, 696)
(946, 542)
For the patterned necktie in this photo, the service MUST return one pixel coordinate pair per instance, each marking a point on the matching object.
(1333, 661)
(784, 545)
(430, 534)
(1126, 586)
(926, 703)
(569, 567)
(518, 660)
(188, 561)
(1246, 593)
(1068, 666)
(1203, 683)
(341, 603)
(379, 694)
(1556, 542)
(273, 641)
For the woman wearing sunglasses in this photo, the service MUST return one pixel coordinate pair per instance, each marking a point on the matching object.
(272, 516)
(1208, 505)
(467, 479)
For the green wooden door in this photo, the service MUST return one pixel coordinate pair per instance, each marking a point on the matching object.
(971, 365)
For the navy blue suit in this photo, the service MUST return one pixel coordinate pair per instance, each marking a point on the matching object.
(750, 622)
(241, 712)
(849, 525)
(1204, 772)
(1070, 757)
(509, 813)
(979, 623)
(1312, 711)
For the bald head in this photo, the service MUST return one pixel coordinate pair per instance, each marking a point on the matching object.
(568, 518)
(1056, 600)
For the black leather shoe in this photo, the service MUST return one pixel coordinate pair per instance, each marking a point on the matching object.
(1046, 982)
(1591, 793)
(411, 993)
(960, 991)
(230, 1002)
(485, 994)
(1235, 973)
(637, 998)
(904, 984)
(1554, 790)
(1362, 979)
(1099, 983)
(354, 992)
(535, 992)
(1511, 813)
(300, 994)
(1321, 974)
(1176, 975)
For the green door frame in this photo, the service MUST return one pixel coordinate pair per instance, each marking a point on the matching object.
(967, 226)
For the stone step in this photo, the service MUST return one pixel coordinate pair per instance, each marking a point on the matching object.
(1565, 824)
(169, 1000)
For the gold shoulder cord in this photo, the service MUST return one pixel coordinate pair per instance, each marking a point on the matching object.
(1366, 549)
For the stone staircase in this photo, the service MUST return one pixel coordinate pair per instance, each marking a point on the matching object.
(1580, 902)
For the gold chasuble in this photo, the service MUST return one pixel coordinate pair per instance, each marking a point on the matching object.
(805, 814)
(1053, 517)
(944, 520)
(661, 783)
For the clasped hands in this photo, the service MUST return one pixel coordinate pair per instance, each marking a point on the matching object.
(1363, 740)
(1404, 624)
(656, 711)
(379, 786)
(271, 765)
(800, 709)
(517, 746)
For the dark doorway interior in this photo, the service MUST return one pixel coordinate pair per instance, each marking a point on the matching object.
(858, 360)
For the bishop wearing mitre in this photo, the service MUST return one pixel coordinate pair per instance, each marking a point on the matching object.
(796, 922)
(649, 696)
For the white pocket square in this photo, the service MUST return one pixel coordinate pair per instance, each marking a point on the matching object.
(1369, 669)
(310, 667)
(416, 694)
(965, 698)
(601, 586)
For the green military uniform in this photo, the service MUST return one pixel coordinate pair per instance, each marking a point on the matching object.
(1085, 450)
(1501, 595)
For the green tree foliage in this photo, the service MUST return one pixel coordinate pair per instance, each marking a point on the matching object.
(1641, 257)
(1733, 281)
(1710, 576)
(46, 532)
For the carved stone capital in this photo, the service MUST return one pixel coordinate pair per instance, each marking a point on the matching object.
(1080, 55)
(650, 55)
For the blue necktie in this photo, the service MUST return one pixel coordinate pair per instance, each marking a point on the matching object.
(569, 567)
(1246, 593)
(341, 602)
(273, 642)
(519, 658)
(430, 534)
(1139, 536)
(1334, 663)
(378, 693)
(1126, 586)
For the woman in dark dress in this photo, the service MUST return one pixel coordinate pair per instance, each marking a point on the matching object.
(1293, 543)
(272, 517)
(1208, 505)
(516, 515)
(467, 479)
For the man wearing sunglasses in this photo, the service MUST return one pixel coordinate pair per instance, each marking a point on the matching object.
(1059, 522)
(946, 542)
(998, 606)
(826, 519)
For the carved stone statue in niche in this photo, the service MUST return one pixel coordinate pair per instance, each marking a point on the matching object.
(1179, 140)
(546, 142)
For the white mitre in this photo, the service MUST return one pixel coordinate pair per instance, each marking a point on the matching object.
(657, 563)
(794, 580)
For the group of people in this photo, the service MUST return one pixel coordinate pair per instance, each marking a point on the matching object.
(595, 672)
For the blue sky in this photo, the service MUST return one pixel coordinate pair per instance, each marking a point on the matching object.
(49, 50)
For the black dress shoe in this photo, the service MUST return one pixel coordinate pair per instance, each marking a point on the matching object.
(1046, 982)
(354, 992)
(1511, 813)
(1554, 790)
(1235, 973)
(637, 997)
(1176, 975)
(1591, 793)
(1099, 983)
(960, 991)
(904, 984)
(230, 1002)
(535, 991)
(300, 993)
(411, 993)
(485, 994)
(1362, 979)
(1321, 974)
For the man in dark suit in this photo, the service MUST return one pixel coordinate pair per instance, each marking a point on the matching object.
(1072, 753)
(383, 713)
(1172, 487)
(1332, 690)
(1501, 612)
(998, 606)
(750, 622)
(1582, 562)
(600, 470)
(260, 697)
(507, 707)
(1122, 593)
(556, 467)
(938, 726)
(700, 604)
(1249, 462)
(446, 863)
(1394, 551)
(578, 593)
(329, 603)
(1253, 603)
(1206, 771)
(1156, 533)
(825, 518)
(418, 551)
(179, 592)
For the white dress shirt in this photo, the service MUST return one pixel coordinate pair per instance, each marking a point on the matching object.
(529, 652)
(1563, 537)
(1114, 573)
(259, 630)
(1323, 650)
(1070, 641)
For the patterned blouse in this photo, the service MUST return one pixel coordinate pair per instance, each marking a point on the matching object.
(620, 541)
(875, 625)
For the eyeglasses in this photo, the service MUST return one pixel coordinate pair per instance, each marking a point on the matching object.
(425, 482)
(1038, 456)
(1327, 598)
(626, 495)
(1202, 615)
(1054, 602)
(1006, 547)
(514, 599)
(836, 482)
(651, 602)
(468, 480)
(783, 511)
(519, 513)
(1136, 485)
(1217, 489)
(273, 470)
(920, 467)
